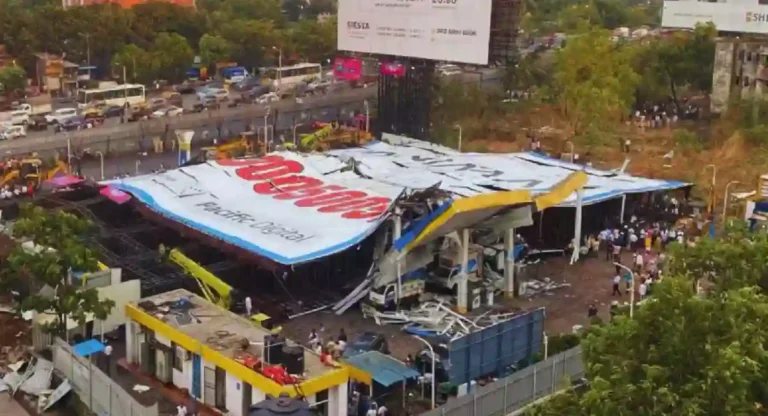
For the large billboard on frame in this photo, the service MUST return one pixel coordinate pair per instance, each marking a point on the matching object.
(441, 30)
(748, 16)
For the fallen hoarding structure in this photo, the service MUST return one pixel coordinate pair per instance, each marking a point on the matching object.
(297, 208)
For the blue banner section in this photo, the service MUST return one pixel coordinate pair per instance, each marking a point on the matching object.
(495, 349)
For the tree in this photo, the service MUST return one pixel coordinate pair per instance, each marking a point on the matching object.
(13, 79)
(294, 9)
(213, 49)
(594, 81)
(172, 56)
(313, 40)
(59, 252)
(136, 62)
(318, 7)
(253, 41)
(685, 353)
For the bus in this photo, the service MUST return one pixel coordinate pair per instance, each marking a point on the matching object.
(233, 75)
(290, 76)
(125, 95)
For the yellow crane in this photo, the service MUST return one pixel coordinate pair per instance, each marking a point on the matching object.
(213, 288)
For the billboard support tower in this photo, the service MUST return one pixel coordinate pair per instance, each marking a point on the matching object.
(505, 25)
(404, 102)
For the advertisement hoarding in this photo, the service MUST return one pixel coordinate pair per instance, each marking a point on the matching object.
(441, 30)
(748, 16)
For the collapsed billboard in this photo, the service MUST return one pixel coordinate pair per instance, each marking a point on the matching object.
(278, 206)
(294, 207)
(441, 30)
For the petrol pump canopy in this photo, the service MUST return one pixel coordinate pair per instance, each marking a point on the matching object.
(294, 208)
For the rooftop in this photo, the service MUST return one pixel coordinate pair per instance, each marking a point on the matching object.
(218, 329)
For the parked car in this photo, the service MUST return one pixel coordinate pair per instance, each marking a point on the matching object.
(170, 111)
(220, 94)
(57, 116)
(267, 98)
(114, 111)
(247, 84)
(157, 103)
(367, 341)
(12, 132)
(205, 104)
(37, 123)
(140, 113)
(174, 99)
(73, 124)
(256, 92)
(448, 70)
(19, 117)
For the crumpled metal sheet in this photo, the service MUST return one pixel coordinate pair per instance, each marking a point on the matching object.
(39, 380)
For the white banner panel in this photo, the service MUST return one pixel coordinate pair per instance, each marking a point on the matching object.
(441, 30)
(278, 206)
(749, 16)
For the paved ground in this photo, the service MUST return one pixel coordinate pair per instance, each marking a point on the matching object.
(9, 407)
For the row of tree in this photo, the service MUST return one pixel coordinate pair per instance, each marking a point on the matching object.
(158, 40)
(685, 353)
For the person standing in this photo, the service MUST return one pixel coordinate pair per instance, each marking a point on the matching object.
(248, 306)
(592, 311)
(108, 359)
(643, 289)
(616, 282)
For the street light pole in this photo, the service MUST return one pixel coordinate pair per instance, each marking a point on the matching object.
(294, 132)
(432, 352)
(460, 133)
(101, 163)
(631, 294)
(572, 150)
(138, 163)
(87, 37)
(725, 199)
(712, 189)
(69, 150)
(367, 116)
(279, 68)
(266, 134)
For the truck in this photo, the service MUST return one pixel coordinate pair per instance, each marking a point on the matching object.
(385, 297)
(22, 112)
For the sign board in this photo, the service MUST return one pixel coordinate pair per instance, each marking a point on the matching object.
(495, 349)
(748, 16)
(441, 30)
(279, 206)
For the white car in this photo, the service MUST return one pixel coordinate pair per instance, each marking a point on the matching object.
(220, 94)
(168, 112)
(13, 132)
(60, 115)
(448, 70)
(19, 118)
(267, 98)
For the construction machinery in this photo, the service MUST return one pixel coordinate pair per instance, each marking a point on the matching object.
(334, 136)
(247, 144)
(30, 171)
(213, 289)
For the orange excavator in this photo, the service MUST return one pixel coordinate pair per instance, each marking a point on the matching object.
(29, 171)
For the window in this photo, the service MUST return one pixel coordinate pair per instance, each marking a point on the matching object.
(178, 357)
(736, 81)
(749, 57)
(746, 81)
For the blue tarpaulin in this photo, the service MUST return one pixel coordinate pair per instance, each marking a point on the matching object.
(383, 369)
(89, 347)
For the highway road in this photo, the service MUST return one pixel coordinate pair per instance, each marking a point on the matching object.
(226, 122)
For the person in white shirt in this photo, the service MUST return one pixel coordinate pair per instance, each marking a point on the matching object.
(108, 359)
(181, 410)
(616, 282)
(638, 262)
(248, 306)
(371, 410)
(642, 290)
(381, 411)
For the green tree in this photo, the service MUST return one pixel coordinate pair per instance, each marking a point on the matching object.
(294, 9)
(136, 62)
(13, 79)
(213, 49)
(594, 81)
(59, 252)
(253, 41)
(314, 41)
(685, 353)
(172, 55)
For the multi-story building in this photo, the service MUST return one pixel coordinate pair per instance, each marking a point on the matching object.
(740, 72)
(54, 75)
(224, 360)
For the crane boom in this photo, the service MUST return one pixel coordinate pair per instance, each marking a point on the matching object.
(213, 288)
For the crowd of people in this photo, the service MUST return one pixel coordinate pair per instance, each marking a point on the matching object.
(664, 114)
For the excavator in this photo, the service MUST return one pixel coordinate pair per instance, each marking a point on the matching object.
(246, 144)
(213, 289)
(30, 170)
(333, 136)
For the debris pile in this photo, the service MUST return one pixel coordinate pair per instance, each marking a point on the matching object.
(533, 287)
(435, 319)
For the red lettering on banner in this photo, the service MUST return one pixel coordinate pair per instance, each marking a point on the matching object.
(279, 177)
(286, 184)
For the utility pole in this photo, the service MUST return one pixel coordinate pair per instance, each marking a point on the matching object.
(87, 37)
